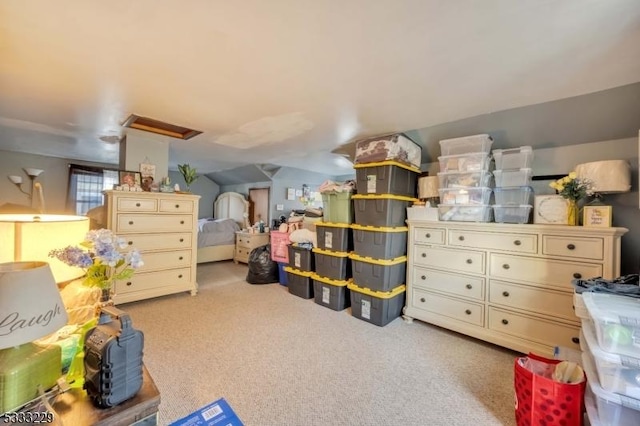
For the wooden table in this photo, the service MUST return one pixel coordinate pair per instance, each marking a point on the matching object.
(75, 408)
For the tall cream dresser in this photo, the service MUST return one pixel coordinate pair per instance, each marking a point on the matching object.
(164, 227)
(508, 284)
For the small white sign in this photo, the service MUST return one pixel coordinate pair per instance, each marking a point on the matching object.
(326, 295)
(366, 309)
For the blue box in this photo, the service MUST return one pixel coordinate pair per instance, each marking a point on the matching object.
(218, 413)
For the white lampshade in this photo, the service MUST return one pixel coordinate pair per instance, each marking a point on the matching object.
(607, 176)
(428, 187)
(30, 303)
(33, 172)
(15, 179)
(27, 237)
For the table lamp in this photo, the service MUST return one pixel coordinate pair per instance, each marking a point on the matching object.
(606, 177)
(428, 190)
(30, 308)
(29, 237)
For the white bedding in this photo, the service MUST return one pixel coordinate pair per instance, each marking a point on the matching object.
(214, 232)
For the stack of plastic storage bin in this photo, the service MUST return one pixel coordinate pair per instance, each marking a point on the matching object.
(513, 193)
(465, 179)
(610, 343)
(384, 191)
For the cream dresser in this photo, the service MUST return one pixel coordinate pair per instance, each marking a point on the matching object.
(163, 226)
(245, 242)
(507, 284)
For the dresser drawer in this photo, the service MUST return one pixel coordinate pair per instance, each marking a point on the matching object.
(461, 310)
(176, 206)
(535, 299)
(429, 235)
(147, 280)
(159, 241)
(578, 247)
(251, 241)
(549, 272)
(165, 260)
(454, 259)
(521, 243)
(126, 204)
(534, 329)
(242, 254)
(445, 282)
(154, 223)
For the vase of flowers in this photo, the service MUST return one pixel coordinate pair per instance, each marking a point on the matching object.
(573, 189)
(103, 258)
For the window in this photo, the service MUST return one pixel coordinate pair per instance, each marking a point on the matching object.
(86, 185)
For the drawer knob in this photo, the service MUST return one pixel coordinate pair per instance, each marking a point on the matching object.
(517, 242)
(461, 237)
(182, 222)
(577, 275)
(468, 312)
(424, 254)
(422, 299)
(575, 340)
(506, 266)
(130, 243)
(505, 321)
(427, 235)
(469, 286)
(423, 277)
(182, 240)
(571, 246)
(137, 204)
(130, 222)
(180, 276)
(177, 206)
(129, 283)
(180, 258)
(505, 293)
(469, 261)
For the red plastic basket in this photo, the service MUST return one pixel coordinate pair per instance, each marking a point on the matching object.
(280, 246)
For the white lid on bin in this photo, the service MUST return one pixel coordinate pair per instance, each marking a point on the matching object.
(592, 345)
(594, 385)
(612, 308)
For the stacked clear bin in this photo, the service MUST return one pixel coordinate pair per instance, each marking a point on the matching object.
(513, 193)
(610, 343)
(465, 179)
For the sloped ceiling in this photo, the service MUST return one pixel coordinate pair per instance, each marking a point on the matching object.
(294, 83)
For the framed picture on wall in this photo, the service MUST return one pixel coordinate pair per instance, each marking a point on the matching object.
(597, 216)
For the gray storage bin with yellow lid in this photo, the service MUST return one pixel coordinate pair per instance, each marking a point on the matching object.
(386, 177)
(331, 293)
(299, 282)
(378, 274)
(376, 307)
(334, 236)
(379, 242)
(386, 210)
(332, 264)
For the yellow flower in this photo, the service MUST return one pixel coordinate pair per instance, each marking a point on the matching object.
(573, 175)
(565, 179)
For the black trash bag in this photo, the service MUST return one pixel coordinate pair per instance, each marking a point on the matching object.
(262, 270)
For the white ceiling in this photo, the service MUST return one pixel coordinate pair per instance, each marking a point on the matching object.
(287, 82)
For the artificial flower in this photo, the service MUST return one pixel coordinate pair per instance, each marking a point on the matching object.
(572, 187)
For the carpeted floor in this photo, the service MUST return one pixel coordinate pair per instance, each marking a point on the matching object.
(282, 360)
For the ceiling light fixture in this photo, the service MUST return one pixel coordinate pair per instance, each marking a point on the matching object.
(159, 127)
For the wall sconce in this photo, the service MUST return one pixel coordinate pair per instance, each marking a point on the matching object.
(33, 174)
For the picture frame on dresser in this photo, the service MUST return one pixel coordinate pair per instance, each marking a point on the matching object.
(129, 178)
(597, 216)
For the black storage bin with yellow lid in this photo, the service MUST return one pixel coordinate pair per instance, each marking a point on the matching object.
(331, 293)
(381, 210)
(376, 307)
(301, 258)
(299, 282)
(379, 242)
(332, 264)
(334, 236)
(386, 177)
(378, 274)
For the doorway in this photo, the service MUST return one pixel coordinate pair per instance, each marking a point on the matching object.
(259, 205)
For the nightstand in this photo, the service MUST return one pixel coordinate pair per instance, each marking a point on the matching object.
(245, 242)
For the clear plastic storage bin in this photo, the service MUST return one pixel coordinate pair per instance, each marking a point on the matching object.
(521, 177)
(514, 158)
(617, 322)
(464, 179)
(466, 144)
(473, 162)
(468, 213)
(513, 195)
(512, 214)
(479, 195)
(616, 373)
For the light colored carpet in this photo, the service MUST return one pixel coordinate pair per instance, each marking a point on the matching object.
(279, 360)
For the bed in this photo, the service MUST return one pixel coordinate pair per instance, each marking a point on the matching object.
(216, 236)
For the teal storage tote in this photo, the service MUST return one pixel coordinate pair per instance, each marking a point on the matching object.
(386, 177)
(331, 293)
(379, 242)
(378, 274)
(386, 210)
(376, 307)
(334, 236)
(332, 264)
(299, 282)
(337, 207)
